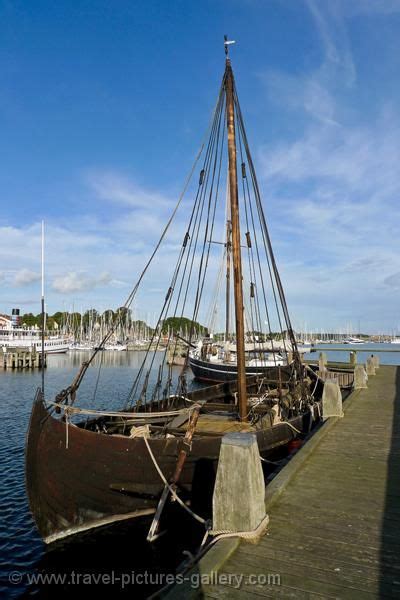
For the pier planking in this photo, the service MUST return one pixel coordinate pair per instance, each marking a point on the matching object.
(334, 530)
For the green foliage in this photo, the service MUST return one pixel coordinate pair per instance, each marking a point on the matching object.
(123, 313)
(109, 316)
(29, 320)
(182, 326)
(73, 320)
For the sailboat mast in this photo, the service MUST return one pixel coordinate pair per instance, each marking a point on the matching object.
(228, 278)
(42, 307)
(236, 252)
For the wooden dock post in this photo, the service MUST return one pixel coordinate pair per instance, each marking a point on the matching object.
(22, 358)
(331, 400)
(353, 358)
(375, 360)
(322, 361)
(370, 367)
(360, 377)
(239, 492)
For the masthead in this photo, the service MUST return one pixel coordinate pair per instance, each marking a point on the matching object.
(227, 43)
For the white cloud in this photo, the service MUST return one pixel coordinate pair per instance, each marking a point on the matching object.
(301, 93)
(393, 280)
(363, 158)
(368, 7)
(79, 282)
(25, 277)
(117, 188)
(332, 186)
(330, 23)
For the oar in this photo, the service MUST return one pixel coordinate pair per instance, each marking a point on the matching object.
(186, 447)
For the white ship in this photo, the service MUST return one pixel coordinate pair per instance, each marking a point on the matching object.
(11, 335)
(353, 340)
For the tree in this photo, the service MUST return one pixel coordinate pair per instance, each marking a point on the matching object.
(123, 313)
(29, 320)
(89, 317)
(182, 326)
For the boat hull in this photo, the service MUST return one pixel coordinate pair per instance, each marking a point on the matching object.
(49, 348)
(78, 479)
(218, 372)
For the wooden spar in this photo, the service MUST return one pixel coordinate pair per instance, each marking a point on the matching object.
(228, 278)
(185, 449)
(186, 445)
(43, 310)
(236, 252)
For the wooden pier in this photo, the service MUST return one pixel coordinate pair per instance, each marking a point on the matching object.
(334, 510)
(21, 358)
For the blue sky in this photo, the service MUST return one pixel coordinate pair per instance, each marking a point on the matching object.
(102, 109)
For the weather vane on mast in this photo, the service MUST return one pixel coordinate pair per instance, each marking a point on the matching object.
(227, 43)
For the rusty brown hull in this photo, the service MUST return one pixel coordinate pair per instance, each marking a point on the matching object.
(78, 479)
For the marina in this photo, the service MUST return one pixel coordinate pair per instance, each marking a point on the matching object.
(25, 549)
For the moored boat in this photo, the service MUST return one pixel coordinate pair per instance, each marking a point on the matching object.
(20, 337)
(87, 467)
(212, 362)
(353, 340)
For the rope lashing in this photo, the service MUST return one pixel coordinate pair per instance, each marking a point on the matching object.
(170, 488)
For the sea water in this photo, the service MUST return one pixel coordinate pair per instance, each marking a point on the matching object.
(388, 354)
(117, 555)
(115, 558)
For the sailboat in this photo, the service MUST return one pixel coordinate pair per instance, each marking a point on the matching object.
(86, 467)
(216, 360)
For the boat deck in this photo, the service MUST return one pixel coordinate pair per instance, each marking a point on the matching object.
(220, 424)
(334, 530)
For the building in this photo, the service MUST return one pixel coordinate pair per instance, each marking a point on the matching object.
(5, 322)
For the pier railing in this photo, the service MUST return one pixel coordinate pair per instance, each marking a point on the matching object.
(351, 349)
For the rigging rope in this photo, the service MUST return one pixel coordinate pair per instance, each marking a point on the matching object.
(133, 292)
(170, 488)
(189, 275)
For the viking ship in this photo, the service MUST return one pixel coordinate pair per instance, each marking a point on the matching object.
(87, 467)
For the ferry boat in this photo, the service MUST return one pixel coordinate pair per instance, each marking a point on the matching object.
(15, 336)
(20, 337)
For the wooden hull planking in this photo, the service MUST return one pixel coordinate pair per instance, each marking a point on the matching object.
(78, 479)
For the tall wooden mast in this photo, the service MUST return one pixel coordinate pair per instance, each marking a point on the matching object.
(236, 252)
(228, 279)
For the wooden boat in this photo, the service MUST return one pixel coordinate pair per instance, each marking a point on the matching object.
(86, 468)
(77, 481)
(214, 363)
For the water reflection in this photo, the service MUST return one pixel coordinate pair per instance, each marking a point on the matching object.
(105, 358)
(121, 548)
(110, 377)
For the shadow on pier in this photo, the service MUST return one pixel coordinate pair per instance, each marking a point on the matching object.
(390, 537)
